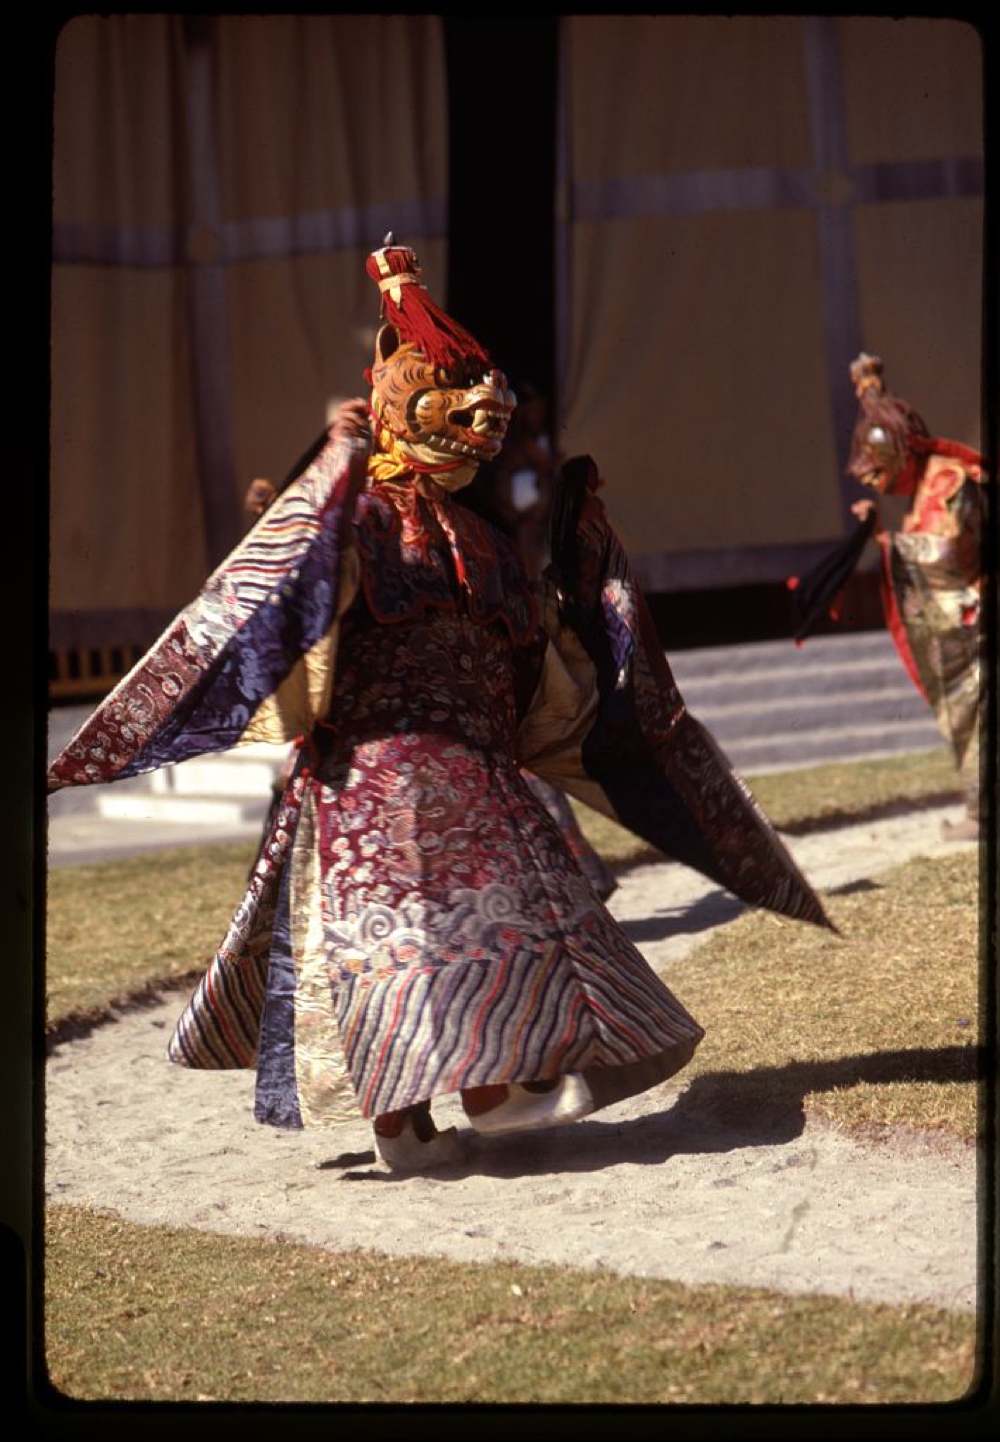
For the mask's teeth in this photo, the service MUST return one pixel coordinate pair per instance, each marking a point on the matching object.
(489, 423)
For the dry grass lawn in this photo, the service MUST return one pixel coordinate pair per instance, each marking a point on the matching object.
(150, 1313)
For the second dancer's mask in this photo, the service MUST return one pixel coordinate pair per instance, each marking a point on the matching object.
(890, 439)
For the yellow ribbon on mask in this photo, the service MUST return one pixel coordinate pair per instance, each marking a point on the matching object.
(389, 462)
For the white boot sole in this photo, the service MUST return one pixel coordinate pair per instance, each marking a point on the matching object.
(407, 1153)
(525, 1111)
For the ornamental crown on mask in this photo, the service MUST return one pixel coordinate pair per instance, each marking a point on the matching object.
(441, 405)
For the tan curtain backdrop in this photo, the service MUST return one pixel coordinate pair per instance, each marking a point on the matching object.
(744, 203)
(218, 183)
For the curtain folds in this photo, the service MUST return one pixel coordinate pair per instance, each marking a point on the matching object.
(218, 182)
(744, 203)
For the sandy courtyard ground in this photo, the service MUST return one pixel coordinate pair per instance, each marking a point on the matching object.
(644, 1188)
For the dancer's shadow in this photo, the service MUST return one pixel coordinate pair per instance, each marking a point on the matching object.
(720, 1111)
(851, 888)
(709, 911)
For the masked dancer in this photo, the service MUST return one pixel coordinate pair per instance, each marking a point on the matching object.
(414, 924)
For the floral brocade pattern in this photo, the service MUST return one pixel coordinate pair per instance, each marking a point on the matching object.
(443, 672)
(422, 552)
(587, 859)
(132, 714)
(437, 853)
(665, 776)
(464, 946)
(429, 929)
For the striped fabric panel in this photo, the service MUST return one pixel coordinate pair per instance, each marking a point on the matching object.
(218, 1029)
(268, 554)
(260, 611)
(220, 1025)
(422, 1032)
(626, 993)
(280, 539)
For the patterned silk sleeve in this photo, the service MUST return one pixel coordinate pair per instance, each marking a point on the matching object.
(609, 725)
(251, 657)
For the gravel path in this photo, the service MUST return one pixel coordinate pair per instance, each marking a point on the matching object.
(644, 1188)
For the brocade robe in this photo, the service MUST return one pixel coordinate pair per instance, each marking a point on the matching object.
(415, 923)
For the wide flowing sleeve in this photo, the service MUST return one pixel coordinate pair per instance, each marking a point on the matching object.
(251, 658)
(608, 724)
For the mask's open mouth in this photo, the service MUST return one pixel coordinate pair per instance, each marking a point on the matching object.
(482, 427)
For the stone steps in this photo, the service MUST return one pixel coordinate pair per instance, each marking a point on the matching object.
(774, 706)
(770, 705)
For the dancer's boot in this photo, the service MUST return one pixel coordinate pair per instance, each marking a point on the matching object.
(408, 1140)
(525, 1106)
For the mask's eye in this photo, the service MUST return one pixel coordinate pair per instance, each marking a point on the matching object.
(446, 379)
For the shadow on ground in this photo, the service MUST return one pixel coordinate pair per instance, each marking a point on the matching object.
(719, 1112)
(707, 912)
(877, 811)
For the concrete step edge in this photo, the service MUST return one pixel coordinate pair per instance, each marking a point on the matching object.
(192, 809)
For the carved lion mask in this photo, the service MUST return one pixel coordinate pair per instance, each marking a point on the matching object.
(439, 416)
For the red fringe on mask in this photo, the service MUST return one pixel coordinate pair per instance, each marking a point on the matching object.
(418, 319)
